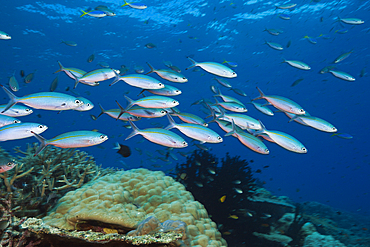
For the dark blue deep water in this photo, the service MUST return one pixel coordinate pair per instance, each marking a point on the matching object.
(335, 171)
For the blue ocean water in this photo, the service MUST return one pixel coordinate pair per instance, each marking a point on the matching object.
(335, 171)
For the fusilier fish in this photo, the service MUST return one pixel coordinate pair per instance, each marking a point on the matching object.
(166, 91)
(223, 82)
(214, 68)
(314, 122)
(248, 140)
(73, 139)
(282, 103)
(135, 5)
(195, 131)
(187, 117)
(159, 136)
(352, 21)
(342, 57)
(275, 46)
(86, 106)
(92, 78)
(168, 75)
(76, 72)
(94, 13)
(15, 111)
(4, 35)
(45, 100)
(284, 140)
(6, 120)
(139, 80)
(342, 75)
(69, 43)
(152, 102)
(297, 64)
(20, 131)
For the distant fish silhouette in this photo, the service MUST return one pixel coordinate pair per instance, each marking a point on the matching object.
(123, 150)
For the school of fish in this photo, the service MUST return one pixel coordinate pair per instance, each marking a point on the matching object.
(228, 112)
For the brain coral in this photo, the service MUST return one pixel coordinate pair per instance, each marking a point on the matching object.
(126, 198)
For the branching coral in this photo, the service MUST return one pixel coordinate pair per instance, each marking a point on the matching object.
(223, 189)
(36, 181)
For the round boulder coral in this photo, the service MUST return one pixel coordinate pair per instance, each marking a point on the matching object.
(126, 198)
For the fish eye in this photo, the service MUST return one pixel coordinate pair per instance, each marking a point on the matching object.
(184, 78)
(41, 126)
(77, 101)
(219, 138)
(267, 151)
(334, 128)
(102, 136)
(27, 110)
(304, 149)
(184, 143)
(174, 101)
(88, 104)
(234, 73)
(160, 84)
(9, 164)
(16, 121)
(301, 110)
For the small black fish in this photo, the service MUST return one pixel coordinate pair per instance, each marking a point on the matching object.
(258, 171)
(54, 84)
(123, 150)
(288, 44)
(150, 45)
(91, 58)
(22, 73)
(296, 82)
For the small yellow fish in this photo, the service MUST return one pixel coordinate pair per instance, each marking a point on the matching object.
(233, 216)
(223, 198)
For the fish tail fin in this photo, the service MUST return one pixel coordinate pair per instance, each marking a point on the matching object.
(102, 111)
(219, 94)
(142, 92)
(175, 110)
(77, 80)
(225, 61)
(12, 99)
(152, 69)
(61, 68)
(234, 131)
(43, 143)
(193, 63)
(293, 118)
(116, 146)
(261, 94)
(126, 3)
(116, 79)
(122, 110)
(135, 130)
(172, 122)
(217, 102)
(130, 102)
(83, 13)
(262, 130)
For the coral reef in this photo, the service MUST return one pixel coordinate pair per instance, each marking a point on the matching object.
(122, 200)
(229, 193)
(37, 181)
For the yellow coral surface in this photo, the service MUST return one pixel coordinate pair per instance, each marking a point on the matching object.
(126, 198)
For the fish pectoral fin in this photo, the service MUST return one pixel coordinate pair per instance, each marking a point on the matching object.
(202, 142)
